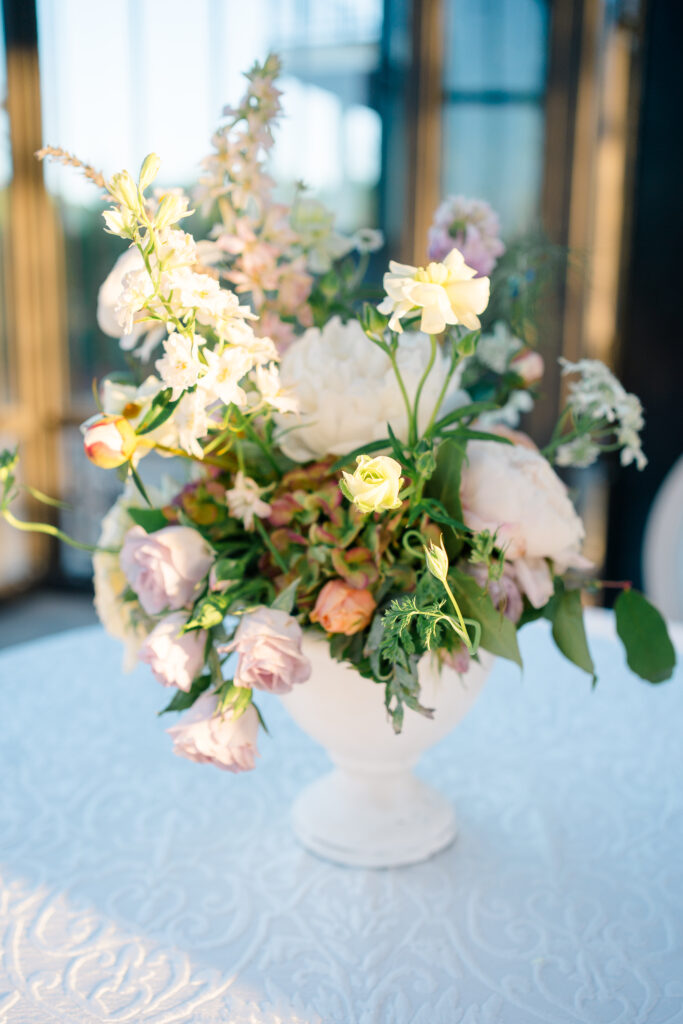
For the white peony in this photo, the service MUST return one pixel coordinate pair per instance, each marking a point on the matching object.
(512, 490)
(347, 390)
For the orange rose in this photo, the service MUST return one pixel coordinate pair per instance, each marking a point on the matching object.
(343, 609)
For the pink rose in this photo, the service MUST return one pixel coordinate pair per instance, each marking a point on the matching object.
(268, 642)
(165, 568)
(207, 738)
(341, 608)
(175, 658)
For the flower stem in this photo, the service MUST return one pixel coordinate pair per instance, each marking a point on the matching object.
(412, 429)
(423, 379)
(51, 531)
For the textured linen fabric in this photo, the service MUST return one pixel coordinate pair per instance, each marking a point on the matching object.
(137, 887)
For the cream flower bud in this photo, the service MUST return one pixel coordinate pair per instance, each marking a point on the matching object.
(437, 560)
(116, 223)
(123, 188)
(172, 208)
(149, 170)
(375, 484)
(109, 441)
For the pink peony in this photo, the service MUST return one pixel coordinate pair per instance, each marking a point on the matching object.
(165, 568)
(268, 642)
(175, 658)
(341, 608)
(207, 738)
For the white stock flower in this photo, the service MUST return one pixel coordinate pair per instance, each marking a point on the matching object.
(179, 367)
(191, 422)
(138, 290)
(368, 240)
(447, 293)
(314, 224)
(580, 452)
(224, 372)
(495, 350)
(598, 395)
(244, 500)
(347, 390)
(269, 385)
(509, 414)
(176, 249)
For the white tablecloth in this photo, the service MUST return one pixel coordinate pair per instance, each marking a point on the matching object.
(135, 886)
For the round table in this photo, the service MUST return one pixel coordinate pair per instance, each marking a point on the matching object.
(135, 886)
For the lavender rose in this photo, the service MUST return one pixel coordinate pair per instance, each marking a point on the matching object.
(175, 658)
(227, 742)
(165, 568)
(268, 642)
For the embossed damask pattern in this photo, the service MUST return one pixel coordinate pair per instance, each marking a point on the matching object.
(136, 887)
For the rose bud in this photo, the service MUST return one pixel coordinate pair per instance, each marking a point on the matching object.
(109, 441)
(528, 365)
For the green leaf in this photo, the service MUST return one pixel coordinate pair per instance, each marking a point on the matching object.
(365, 449)
(159, 411)
(138, 483)
(374, 324)
(498, 634)
(464, 412)
(642, 630)
(569, 633)
(210, 611)
(150, 519)
(181, 700)
(444, 487)
(284, 601)
(467, 345)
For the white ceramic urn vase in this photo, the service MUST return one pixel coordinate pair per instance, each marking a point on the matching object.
(371, 810)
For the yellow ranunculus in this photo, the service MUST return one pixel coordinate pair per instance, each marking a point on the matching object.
(375, 484)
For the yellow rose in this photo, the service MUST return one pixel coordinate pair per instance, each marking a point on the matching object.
(375, 484)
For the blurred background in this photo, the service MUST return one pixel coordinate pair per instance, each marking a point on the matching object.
(560, 113)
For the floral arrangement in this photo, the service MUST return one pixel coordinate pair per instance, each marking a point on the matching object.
(349, 469)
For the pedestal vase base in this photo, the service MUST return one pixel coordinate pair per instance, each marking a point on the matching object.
(374, 819)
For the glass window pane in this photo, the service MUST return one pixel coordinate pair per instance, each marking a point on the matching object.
(496, 45)
(496, 153)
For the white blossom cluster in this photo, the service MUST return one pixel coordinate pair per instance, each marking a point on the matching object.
(161, 284)
(598, 399)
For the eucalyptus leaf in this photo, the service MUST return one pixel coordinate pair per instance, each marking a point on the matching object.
(642, 630)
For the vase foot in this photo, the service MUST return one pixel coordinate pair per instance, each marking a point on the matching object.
(373, 820)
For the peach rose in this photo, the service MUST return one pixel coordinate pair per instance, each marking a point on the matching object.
(341, 608)
(529, 365)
